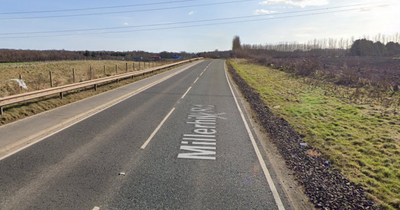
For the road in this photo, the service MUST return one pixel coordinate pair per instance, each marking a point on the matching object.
(180, 144)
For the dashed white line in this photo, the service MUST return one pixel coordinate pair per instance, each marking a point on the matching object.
(96, 208)
(35, 138)
(183, 96)
(156, 130)
(271, 184)
(166, 117)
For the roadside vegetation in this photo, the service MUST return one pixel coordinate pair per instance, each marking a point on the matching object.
(36, 76)
(358, 131)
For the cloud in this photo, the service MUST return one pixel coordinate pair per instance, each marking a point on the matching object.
(263, 11)
(192, 12)
(299, 3)
(126, 24)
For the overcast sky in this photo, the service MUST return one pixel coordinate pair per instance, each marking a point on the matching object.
(187, 25)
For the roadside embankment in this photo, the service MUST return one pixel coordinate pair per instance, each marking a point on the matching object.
(320, 139)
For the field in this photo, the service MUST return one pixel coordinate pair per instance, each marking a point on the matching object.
(358, 132)
(36, 76)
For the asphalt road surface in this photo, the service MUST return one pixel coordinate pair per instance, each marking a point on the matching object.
(181, 144)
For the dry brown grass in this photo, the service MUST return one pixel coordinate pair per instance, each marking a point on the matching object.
(36, 75)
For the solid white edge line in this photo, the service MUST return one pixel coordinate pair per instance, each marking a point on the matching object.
(156, 130)
(271, 184)
(99, 109)
(96, 208)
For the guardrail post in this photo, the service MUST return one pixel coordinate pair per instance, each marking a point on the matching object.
(1, 110)
(61, 95)
(95, 87)
(73, 75)
(51, 79)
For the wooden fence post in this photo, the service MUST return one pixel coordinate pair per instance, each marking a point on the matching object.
(126, 67)
(91, 73)
(73, 75)
(139, 65)
(116, 69)
(51, 79)
(133, 67)
(20, 78)
(104, 68)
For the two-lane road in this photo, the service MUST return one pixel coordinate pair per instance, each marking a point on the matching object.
(181, 144)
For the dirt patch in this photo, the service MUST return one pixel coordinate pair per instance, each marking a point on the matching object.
(326, 187)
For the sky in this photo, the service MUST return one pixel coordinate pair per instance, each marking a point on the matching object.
(187, 25)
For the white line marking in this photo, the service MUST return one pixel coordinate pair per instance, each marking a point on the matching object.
(259, 156)
(31, 140)
(196, 80)
(166, 117)
(96, 208)
(203, 143)
(156, 130)
(186, 92)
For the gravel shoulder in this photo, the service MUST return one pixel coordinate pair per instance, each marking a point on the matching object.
(294, 192)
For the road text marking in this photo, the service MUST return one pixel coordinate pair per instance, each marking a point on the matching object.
(201, 144)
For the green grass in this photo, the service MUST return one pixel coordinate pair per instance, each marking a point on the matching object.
(361, 137)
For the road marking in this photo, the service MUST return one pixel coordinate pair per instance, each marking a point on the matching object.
(186, 92)
(271, 184)
(198, 152)
(166, 117)
(156, 130)
(198, 144)
(96, 208)
(40, 136)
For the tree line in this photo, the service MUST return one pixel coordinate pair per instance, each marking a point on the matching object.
(383, 46)
(11, 55)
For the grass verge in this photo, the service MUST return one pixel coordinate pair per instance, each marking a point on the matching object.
(360, 137)
(36, 75)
